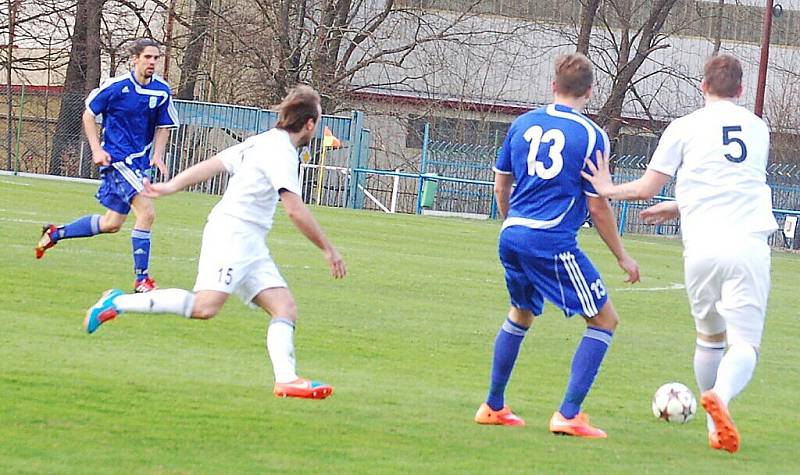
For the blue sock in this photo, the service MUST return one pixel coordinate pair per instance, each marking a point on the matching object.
(585, 364)
(141, 252)
(84, 226)
(506, 349)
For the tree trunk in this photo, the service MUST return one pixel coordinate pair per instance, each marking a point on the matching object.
(83, 74)
(194, 50)
(718, 27)
(610, 115)
(588, 12)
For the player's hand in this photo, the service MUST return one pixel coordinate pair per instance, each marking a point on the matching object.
(157, 190)
(162, 168)
(336, 263)
(600, 176)
(631, 267)
(101, 158)
(661, 212)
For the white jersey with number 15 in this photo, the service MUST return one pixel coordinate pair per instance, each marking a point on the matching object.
(718, 155)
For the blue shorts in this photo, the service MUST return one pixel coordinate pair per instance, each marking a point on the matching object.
(535, 270)
(119, 185)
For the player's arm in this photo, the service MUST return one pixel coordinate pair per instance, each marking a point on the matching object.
(302, 218)
(192, 175)
(661, 212)
(99, 156)
(167, 119)
(606, 225)
(159, 145)
(503, 184)
(642, 188)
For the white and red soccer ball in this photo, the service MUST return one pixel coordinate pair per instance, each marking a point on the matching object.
(674, 402)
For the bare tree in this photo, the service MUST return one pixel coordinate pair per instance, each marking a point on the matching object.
(632, 45)
(192, 55)
(588, 13)
(83, 74)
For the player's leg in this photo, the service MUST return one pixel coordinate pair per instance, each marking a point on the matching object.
(202, 305)
(743, 305)
(91, 224)
(582, 291)
(506, 350)
(145, 213)
(703, 283)
(279, 303)
(525, 302)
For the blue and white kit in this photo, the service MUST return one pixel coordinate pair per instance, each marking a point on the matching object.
(130, 112)
(545, 150)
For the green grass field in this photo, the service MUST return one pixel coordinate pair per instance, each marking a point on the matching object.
(406, 340)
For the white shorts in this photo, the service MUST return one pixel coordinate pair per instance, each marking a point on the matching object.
(728, 287)
(235, 259)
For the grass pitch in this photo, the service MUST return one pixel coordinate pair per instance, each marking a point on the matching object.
(406, 340)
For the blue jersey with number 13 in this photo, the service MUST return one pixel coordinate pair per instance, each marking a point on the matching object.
(545, 150)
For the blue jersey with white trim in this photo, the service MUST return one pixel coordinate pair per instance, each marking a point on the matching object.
(131, 112)
(545, 150)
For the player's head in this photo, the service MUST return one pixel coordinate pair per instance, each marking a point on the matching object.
(573, 76)
(144, 55)
(299, 113)
(722, 77)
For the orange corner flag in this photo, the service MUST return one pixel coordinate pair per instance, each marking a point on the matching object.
(330, 140)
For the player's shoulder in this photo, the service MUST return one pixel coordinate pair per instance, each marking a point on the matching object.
(161, 83)
(116, 82)
(748, 116)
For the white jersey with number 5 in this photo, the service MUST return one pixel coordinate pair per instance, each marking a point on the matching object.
(718, 155)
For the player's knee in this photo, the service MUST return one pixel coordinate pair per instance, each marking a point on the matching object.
(286, 309)
(204, 312)
(607, 320)
(110, 227)
(146, 218)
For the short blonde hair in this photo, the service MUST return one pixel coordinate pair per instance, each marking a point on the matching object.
(574, 75)
(723, 75)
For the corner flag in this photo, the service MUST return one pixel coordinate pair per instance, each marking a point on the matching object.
(330, 140)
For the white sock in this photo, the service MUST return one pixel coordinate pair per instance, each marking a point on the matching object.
(177, 301)
(707, 356)
(735, 371)
(280, 346)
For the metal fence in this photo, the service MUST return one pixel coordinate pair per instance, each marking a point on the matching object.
(456, 178)
(40, 145)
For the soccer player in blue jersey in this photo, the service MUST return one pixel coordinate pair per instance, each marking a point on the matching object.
(544, 153)
(137, 113)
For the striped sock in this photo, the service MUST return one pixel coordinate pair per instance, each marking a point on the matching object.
(506, 349)
(585, 365)
(85, 226)
(140, 241)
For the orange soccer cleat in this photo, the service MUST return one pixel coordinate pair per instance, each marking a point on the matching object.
(46, 241)
(727, 436)
(713, 441)
(303, 388)
(503, 417)
(578, 426)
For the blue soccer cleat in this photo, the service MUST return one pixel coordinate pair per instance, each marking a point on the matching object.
(101, 312)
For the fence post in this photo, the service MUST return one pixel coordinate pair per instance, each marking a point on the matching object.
(395, 189)
(423, 166)
(623, 216)
(355, 159)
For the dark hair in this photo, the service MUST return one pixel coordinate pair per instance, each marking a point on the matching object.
(300, 105)
(574, 75)
(723, 75)
(139, 45)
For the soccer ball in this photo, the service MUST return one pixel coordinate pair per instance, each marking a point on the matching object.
(674, 402)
